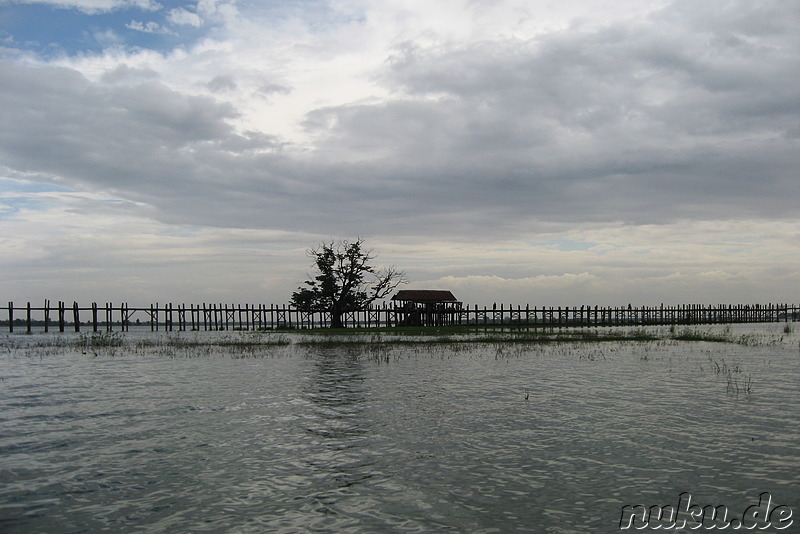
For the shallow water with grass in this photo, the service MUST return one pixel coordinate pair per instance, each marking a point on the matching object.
(292, 432)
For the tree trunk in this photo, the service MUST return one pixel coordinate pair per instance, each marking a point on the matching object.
(336, 319)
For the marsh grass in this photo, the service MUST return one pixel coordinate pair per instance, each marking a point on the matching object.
(726, 336)
(690, 334)
(473, 335)
(238, 345)
(736, 381)
(101, 339)
(372, 342)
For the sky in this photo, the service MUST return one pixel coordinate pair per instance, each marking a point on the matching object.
(550, 153)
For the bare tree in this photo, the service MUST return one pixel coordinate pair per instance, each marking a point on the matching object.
(346, 280)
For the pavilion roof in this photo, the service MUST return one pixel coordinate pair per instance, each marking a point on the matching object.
(425, 295)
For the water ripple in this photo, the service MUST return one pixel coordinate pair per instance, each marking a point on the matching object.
(427, 438)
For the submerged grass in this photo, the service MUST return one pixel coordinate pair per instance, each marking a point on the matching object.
(726, 336)
(737, 382)
(462, 335)
(253, 342)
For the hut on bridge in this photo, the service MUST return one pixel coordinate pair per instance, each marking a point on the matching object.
(426, 307)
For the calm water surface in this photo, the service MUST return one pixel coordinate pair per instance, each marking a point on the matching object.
(400, 438)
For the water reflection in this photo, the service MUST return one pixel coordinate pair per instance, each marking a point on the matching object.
(338, 425)
(338, 393)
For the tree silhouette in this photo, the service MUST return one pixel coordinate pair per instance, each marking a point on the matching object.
(346, 280)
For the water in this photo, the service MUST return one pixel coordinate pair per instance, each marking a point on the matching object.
(401, 438)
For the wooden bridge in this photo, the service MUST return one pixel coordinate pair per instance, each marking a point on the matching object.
(200, 317)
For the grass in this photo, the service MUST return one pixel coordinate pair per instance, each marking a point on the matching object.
(689, 334)
(101, 339)
(472, 335)
(736, 381)
(252, 342)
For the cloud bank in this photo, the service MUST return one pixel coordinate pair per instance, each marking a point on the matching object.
(474, 145)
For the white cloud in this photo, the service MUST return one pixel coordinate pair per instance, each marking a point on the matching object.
(148, 27)
(183, 17)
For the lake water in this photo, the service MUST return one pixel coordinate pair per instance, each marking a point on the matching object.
(392, 438)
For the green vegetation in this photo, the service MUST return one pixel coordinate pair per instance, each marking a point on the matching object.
(101, 339)
(736, 381)
(726, 336)
(689, 334)
(470, 334)
(374, 339)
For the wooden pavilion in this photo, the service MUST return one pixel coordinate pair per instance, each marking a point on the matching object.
(426, 307)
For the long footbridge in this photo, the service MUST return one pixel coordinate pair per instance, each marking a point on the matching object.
(60, 316)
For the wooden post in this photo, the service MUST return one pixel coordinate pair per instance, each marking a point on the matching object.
(28, 319)
(46, 315)
(11, 317)
(76, 316)
(94, 317)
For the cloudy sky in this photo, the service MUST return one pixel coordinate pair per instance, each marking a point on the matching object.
(521, 151)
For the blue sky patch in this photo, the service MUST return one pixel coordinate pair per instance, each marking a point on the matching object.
(16, 195)
(51, 31)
